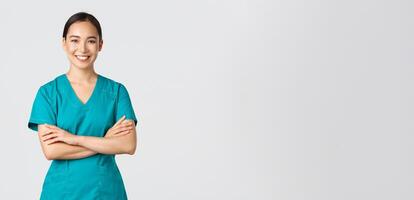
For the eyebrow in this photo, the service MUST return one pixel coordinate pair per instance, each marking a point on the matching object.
(79, 36)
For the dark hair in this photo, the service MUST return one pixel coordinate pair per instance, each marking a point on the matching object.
(82, 17)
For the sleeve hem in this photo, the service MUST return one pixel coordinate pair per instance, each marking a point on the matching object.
(33, 123)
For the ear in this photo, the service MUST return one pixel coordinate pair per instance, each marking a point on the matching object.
(63, 43)
(100, 45)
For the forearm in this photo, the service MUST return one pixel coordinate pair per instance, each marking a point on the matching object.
(106, 145)
(63, 151)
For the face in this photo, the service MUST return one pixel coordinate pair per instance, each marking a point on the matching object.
(82, 44)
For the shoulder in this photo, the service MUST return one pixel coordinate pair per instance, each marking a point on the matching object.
(49, 87)
(112, 86)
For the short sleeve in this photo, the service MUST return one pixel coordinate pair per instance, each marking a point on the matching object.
(42, 110)
(124, 105)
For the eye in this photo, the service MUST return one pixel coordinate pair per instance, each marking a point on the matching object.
(74, 40)
(92, 41)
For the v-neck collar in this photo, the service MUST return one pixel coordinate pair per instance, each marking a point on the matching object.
(75, 97)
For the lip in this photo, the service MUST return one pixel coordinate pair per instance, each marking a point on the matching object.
(82, 60)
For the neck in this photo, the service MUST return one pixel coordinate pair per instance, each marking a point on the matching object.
(81, 75)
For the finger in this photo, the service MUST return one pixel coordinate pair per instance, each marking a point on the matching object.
(53, 127)
(53, 132)
(112, 133)
(49, 125)
(119, 121)
(126, 125)
(51, 141)
(123, 133)
(130, 122)
(116, 131)
(127, 121)
(46, 138)
(122, 129)
(46, 135)
(121, 126)
(50, 133)
(45, 132)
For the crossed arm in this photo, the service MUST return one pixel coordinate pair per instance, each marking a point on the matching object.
(58, 144)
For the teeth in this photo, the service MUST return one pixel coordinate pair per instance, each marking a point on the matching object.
(82, 57)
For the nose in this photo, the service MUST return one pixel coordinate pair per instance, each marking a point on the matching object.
(82, 47)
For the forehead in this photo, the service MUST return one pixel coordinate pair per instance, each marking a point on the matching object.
(82, 29)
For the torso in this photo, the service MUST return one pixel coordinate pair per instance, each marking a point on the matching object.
(92, 118)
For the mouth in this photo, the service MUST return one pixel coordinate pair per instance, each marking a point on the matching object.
(82, 58)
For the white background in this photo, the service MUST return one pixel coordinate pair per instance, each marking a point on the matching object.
(248, 99)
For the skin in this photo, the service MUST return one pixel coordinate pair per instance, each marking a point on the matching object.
(83, 39)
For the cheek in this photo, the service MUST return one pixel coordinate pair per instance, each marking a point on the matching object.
(93, 47)
(71, 48)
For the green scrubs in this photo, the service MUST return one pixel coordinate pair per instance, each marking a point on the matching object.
(94, 177)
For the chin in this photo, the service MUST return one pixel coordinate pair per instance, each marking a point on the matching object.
(83, 66)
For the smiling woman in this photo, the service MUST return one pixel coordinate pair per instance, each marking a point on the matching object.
(82, 39)
(83, 119)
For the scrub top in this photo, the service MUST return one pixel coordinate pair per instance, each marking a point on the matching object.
(94, 177)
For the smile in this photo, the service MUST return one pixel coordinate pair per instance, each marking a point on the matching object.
(82, 58)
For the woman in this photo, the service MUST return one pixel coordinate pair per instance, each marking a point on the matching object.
(83, 119)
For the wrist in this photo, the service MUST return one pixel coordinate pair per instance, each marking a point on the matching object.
(79, 140)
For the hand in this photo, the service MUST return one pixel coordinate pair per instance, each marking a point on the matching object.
(120, 128)
(54, 134)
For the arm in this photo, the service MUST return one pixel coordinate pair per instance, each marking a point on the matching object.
(63, 151)
(119, 139)
(125, 144)
(60, 150)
